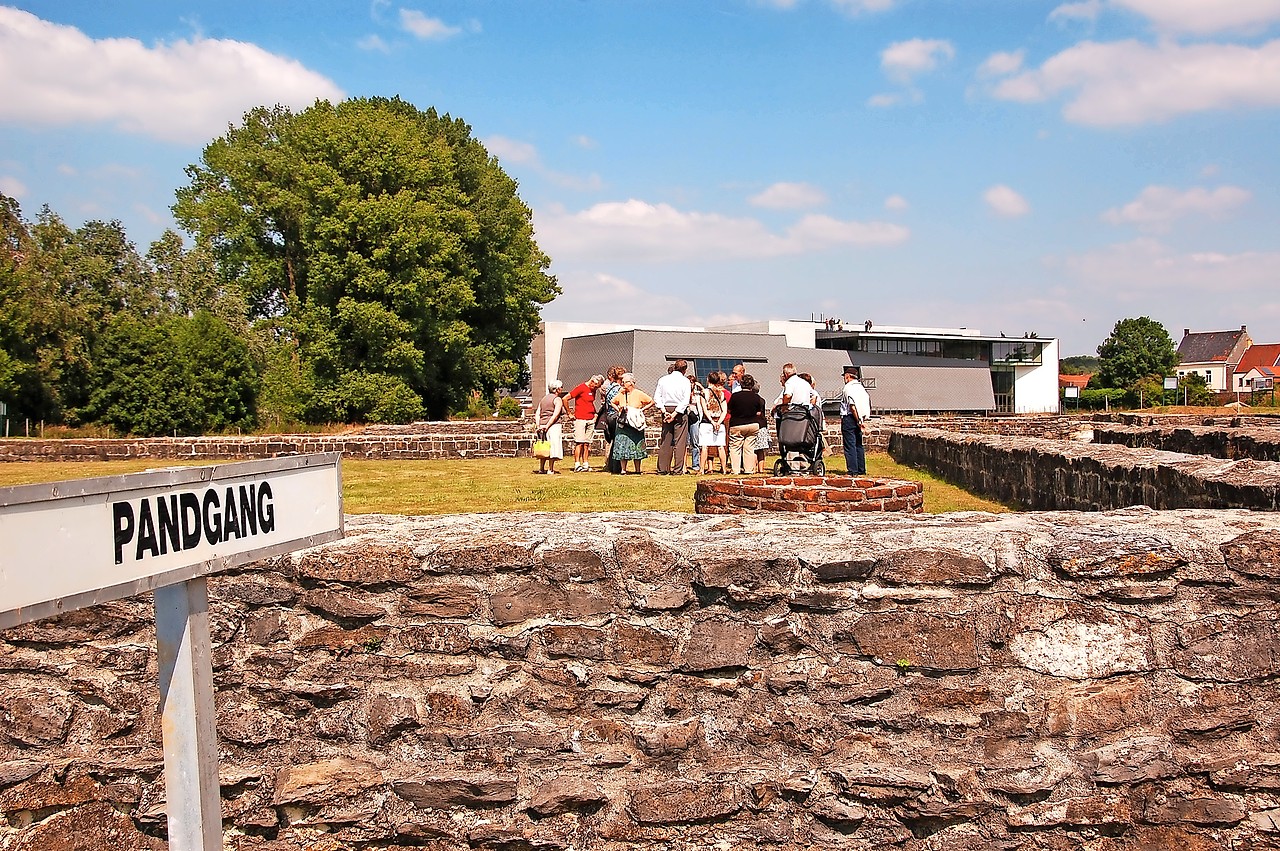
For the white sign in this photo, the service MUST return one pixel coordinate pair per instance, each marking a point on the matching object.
(71, 544)
(1071, 392)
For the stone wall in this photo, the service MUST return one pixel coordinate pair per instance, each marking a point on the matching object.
(474, 444)
(1053, 427)
(930, 683)
(1049, 474)
(454, 439)
(1258, 443)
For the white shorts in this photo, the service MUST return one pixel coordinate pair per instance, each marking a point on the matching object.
(711, 435)
(556, 439)
(582, 430)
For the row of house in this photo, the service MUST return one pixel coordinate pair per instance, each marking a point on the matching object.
(1229, 361)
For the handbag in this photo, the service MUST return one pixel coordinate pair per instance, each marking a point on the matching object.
(542, 449)
(635, 418)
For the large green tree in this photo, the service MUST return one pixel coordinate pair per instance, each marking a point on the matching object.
(1137, 348)
(189, 375)
(385, 254)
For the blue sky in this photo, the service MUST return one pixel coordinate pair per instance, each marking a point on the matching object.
(1007, 165)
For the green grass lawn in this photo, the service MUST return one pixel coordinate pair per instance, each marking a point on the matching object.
(508, 484)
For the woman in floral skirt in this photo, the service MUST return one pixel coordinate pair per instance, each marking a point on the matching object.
(628, 443)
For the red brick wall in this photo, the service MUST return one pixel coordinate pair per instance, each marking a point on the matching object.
(808, 494)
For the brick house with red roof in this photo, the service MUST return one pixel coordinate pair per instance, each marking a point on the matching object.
(1258, 368)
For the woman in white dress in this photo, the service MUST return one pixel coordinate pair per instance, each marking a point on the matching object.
(711, 431)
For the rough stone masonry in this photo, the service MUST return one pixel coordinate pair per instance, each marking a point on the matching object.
(646, 680)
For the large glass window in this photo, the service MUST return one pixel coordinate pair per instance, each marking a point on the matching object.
(1002, 387)
(1017, 351)
(702, 367)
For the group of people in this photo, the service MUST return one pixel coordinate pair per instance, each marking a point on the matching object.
(725, 418)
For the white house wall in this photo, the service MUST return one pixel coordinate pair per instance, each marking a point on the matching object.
(1035, 388)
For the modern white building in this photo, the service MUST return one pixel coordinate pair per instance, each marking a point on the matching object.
(907, 369)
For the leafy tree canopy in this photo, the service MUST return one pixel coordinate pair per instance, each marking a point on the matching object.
(386, 250)
(1137, 348)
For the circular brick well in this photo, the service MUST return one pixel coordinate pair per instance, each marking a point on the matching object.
(808, 494)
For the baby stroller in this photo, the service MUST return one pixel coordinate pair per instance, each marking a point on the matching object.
(799, 433)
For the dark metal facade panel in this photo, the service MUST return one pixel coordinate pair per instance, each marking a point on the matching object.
(902, 382)
(583, 357)
(935, 387)
(648, 354)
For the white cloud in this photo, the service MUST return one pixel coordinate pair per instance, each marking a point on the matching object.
(896, 202)
(420, 26)
(1001, 64)
(815, 232)
(511, 150)
(848, 7)
(1087, 10)
(1006, 202)
(584, 141)
(516, 152)
(858, 7)
(151, 215)
(593, 296)
(789, 196)
(1134, 270)
(373, 43)
(638, 230)
(904, 60)
(884, 100)
(184, 91)
(1202, 17)
(1128, 82)
(12, 186)
(1157, 207)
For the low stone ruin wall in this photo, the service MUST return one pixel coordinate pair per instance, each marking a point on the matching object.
(642, 680)
(1137, 418)
(476, 444)
(456, 439)
(1049, 474)
(431, 441)
(807, 494)
(1052, 427)
(1258, 443)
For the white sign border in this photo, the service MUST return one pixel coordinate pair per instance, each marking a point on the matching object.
(150, 480)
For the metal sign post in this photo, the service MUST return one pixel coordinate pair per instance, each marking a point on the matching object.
(68, 545)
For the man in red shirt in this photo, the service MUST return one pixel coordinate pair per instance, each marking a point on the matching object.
(582, 400)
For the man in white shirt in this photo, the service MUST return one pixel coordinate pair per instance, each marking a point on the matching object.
(795, 390)
(855, 409)
(671, 396)
(734, 384)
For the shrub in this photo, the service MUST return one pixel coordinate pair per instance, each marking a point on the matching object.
(478, 407)
(509, 408)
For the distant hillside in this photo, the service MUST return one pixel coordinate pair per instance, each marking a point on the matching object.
(1078, 365)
